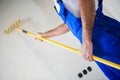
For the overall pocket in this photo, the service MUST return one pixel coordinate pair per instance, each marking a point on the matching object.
(110, 38)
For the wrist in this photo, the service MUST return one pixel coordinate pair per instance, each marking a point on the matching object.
(43, 35)
(87, 41)
(86, 37)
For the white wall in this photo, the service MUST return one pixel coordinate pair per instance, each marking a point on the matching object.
(24, 58)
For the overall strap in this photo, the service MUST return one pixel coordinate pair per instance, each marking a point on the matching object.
(59, 0)
(100, 8)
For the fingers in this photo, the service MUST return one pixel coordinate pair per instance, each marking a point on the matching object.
(88, 57)
(87, 51)
(38, 36)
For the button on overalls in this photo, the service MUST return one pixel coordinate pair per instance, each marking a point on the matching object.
(105, 37)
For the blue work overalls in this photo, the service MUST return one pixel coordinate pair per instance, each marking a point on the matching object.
(105, 37)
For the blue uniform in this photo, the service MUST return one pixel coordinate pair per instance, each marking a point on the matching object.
(105, 37)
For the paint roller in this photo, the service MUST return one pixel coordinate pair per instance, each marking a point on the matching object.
(16, 26)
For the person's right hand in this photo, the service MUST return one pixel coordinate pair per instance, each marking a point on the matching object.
(87, 50)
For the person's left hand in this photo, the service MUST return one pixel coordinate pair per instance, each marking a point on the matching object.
(87, 50)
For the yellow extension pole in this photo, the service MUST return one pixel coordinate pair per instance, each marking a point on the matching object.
(117, 66)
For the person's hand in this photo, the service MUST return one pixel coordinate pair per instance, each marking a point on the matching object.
(87, 50)
(39, 35)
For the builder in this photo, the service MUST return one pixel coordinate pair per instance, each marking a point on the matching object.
(98, 34)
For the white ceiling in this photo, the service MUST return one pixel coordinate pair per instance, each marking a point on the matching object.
(24, 58)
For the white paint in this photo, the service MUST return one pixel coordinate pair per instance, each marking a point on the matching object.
(24, 58)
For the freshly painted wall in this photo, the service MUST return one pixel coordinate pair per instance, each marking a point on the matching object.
(24, 58)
